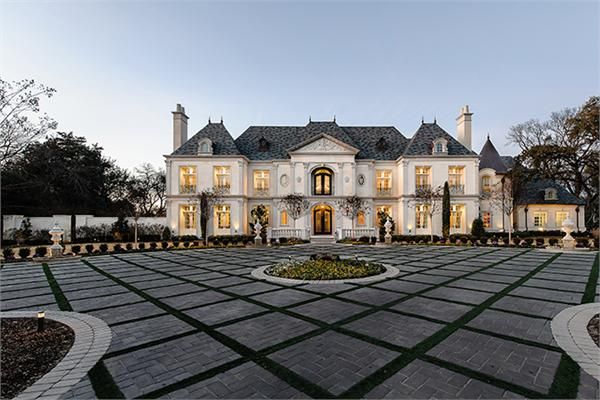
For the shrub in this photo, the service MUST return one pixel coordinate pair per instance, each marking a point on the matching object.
(166, 234)
(153, 245)
(104, 248)
(373, 239)
(483, 240)
(129, 246)
(175, 244)
(142, 246)
(41, 251)
(477, 228)
(582, 243)
(505, 241)
(196, 243)
(89, 248)
(553, 241)
(8, 253)
(283, 240)
(225, 240)
(539, 242)
(116, 248)
(186, 244)
(363, 239)
(76, 249)
(24, 252)
(120, 229)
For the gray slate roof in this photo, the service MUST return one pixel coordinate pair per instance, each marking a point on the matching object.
(490, 158)
(222, 141)
(533, 192)
(422, 142)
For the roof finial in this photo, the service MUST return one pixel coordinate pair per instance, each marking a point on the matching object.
(209, 119)
(221, 119)
(309, 119)
(434, 119)
(422, 119)
(488, 136)
(333, 117)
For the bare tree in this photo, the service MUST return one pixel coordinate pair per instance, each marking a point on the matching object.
(20, 121)
(205, 200)
(351, 206)
(295, 205)
(147, 190)
(431, 198)
(502, 198)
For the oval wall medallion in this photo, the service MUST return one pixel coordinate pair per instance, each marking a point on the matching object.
(347, 179)
(298, 179)
(284, 180)
(361, 179)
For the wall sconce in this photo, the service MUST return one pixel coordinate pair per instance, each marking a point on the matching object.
(409, 229)
(41, 315)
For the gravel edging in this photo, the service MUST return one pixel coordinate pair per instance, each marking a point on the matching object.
(92, 339)
(259, 273)
(569, 328)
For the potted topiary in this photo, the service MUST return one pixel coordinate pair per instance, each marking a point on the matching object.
(24, 252)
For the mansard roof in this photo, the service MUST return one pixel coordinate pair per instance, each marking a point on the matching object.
(490, 158)
(421, 143)
(222, 141)
(533, 192)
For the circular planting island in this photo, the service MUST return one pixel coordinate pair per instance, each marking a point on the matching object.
(325, 269)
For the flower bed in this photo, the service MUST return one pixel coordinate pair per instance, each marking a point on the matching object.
(325, 268)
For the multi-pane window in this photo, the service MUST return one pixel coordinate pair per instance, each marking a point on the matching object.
(540, 219)
(486, 184)
(223, 178)
(456, 216)
(322, 182)
(384, 181)
(421, 216)
(361, 218)
(261, 182)
(188, 216)
(439, 148)
(560, 217)
(423, 175)
(385, 209)
(284, 217)
(486, 217)
(187, 179)
(223, 216)
(456, 179)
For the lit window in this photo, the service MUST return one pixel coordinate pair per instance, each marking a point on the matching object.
(187, 179)
(456, 214)
(385, 209)
(486, 184)
(284, 217)
(361, 218)
(188, 216)
(421, 216)
(487, 219)
(540, 219)
(384, 181)
(322, 181)
(261, 181)
(560, 217)
(223, 216)
(223, 178)
(455, 179)
(422, 177)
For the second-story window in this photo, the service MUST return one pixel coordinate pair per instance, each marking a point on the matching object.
(322, 182)
(261, 182)
(423, 177)
(187, 179)
(223, 178)
(384, 182)
(486, 184)
(456, 179)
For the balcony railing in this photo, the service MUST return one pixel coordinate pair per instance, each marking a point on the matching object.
(424, 187)
(384, 191)
(225, 189)
(457, 189)
(261, 192)
(277, 233)
(357, 233)
(187, 189)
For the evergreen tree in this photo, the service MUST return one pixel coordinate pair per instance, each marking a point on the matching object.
(446, 211)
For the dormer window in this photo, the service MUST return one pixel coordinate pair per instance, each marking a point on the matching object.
(550, 194)
(263, 144)
(440, 146)
(381, 145)
(205, 146)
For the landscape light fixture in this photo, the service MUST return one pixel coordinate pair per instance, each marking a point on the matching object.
(41, 315)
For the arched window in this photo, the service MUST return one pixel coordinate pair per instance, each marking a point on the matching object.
(322, 182)
(204, 147)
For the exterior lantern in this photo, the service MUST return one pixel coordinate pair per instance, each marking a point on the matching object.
(56, 234)
(567, 227)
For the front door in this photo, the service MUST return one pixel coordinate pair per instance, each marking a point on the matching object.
(322, 220)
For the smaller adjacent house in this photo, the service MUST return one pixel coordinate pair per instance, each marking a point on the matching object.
(541, 204)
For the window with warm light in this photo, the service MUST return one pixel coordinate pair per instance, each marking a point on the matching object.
(188, 216)
(361, 218)
(384, 181)
(456, 179)
(421, 216)
(486, 184)
(423, 177)
(223, 177)
(560, 217)
(284, 217)
(187, 179)
(540, 219)
(385, 209)
(456, 216)
(223, 216)
(486, 217)
(261, 181)
(322, 182)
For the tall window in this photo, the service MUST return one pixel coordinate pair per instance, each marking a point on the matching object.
(223, 178)
(439, 148)
(188, 216)
(385, 209)
(421, 216)
(187, 179)
(560, 217)
(540, 219)
(261, 182)
(423, 175)
(486, 184)
(284, 217)
(456, 179)
(322, 181)
(486, 217)
(223, 216)
(361, 219)
(384, 181)
(456, 216)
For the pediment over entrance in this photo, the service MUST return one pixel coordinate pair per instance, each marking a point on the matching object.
(323, 144)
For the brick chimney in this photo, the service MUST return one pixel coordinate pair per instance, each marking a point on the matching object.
(463, 127)
(179, 127)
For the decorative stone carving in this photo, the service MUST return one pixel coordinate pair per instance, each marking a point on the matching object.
(299, 179)
(361, 179)
(388, 230)
(284, 180)
(347, 179)
(56, 234)
(567, 227)
(322, 145)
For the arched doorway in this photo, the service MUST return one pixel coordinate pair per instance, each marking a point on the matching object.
(322, 220)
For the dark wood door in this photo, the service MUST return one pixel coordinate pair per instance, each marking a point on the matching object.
(322, 221)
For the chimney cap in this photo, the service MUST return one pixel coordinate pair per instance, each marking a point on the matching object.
(465, 109)
(179, 109)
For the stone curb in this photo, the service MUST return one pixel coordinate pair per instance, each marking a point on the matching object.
(569, 328)
(92, 339)
(259, 273)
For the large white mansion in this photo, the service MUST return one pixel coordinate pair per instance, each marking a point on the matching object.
(327, 162)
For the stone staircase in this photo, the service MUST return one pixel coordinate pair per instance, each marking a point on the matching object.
(322, 239)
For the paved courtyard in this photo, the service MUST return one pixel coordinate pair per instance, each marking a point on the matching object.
(458, 322)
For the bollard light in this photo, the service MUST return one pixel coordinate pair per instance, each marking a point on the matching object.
(41, 315)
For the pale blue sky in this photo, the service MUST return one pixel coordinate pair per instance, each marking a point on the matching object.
(120, 67)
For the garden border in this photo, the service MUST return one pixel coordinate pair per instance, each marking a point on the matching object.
(259, 273)
(92, 339)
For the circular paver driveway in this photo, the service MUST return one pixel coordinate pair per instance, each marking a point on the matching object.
(456, 322)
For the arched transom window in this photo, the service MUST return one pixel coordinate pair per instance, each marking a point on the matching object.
(322, 182)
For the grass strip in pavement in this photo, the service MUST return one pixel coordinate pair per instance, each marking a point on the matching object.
(566, 379)
(363, 387)
(102, 381)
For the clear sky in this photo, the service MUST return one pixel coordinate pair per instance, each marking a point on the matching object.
(120, 67)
